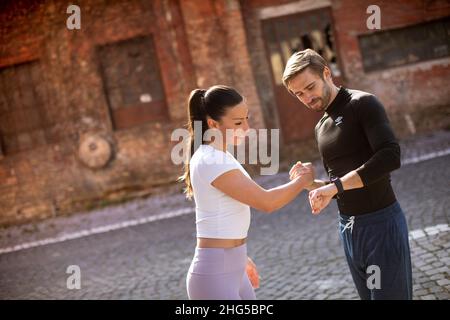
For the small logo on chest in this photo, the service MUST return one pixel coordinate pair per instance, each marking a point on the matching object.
(338, 120)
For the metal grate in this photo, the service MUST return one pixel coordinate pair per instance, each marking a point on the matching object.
(22, 117)
(132, 82)
(403, 46)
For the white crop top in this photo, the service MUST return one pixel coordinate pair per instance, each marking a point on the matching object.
(217, 215)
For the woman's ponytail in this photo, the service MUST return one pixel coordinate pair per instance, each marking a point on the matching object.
(196, 112)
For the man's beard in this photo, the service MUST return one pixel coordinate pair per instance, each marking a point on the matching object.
(324, 99)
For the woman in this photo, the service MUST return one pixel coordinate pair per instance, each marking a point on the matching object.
(223, 193)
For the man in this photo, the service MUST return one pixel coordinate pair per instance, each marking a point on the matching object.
(359, 150)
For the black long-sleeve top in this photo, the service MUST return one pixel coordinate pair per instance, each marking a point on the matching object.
(355, 134)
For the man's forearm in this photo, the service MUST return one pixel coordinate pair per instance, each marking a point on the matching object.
(352, 180)
(384, 161)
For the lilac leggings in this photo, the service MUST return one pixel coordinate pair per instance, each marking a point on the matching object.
(219, 274)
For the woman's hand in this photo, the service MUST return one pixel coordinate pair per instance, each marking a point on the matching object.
(303, 170)
(252, 273)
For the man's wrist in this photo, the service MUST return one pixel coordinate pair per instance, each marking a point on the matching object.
(337, 182)
(332, 187)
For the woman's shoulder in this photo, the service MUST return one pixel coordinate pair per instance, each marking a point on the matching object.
(208, 163)
(207, 155)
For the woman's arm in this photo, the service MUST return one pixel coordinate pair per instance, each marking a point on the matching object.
(294, 173)
(316, 184)
(238, 186)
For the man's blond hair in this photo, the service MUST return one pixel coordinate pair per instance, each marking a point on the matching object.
(301, 60)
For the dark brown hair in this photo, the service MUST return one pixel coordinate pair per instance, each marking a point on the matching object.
(202, 104)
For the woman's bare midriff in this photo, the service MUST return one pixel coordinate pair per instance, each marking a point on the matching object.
(219, 243)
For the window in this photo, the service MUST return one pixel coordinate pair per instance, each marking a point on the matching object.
(132, 82)
(398, 47)
(288, 34)
(22, 117)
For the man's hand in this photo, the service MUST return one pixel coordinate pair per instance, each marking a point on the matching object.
(321, 197)
(303, 170)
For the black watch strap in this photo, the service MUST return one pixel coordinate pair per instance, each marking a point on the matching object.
(338, 183)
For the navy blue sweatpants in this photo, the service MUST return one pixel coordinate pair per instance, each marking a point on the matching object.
(376, 246)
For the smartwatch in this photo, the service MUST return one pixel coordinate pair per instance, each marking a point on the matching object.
(338, 183)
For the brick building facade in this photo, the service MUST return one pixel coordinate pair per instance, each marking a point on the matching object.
(86, 115)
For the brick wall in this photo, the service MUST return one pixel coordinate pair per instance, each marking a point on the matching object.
(198, 44)
(219, 49)
(51, 180)
(418, 92)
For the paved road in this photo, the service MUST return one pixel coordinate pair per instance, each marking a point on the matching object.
(299, 255)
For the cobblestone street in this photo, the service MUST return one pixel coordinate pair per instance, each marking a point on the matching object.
(298, 255)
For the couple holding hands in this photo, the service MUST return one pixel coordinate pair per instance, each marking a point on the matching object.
(358, 150)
